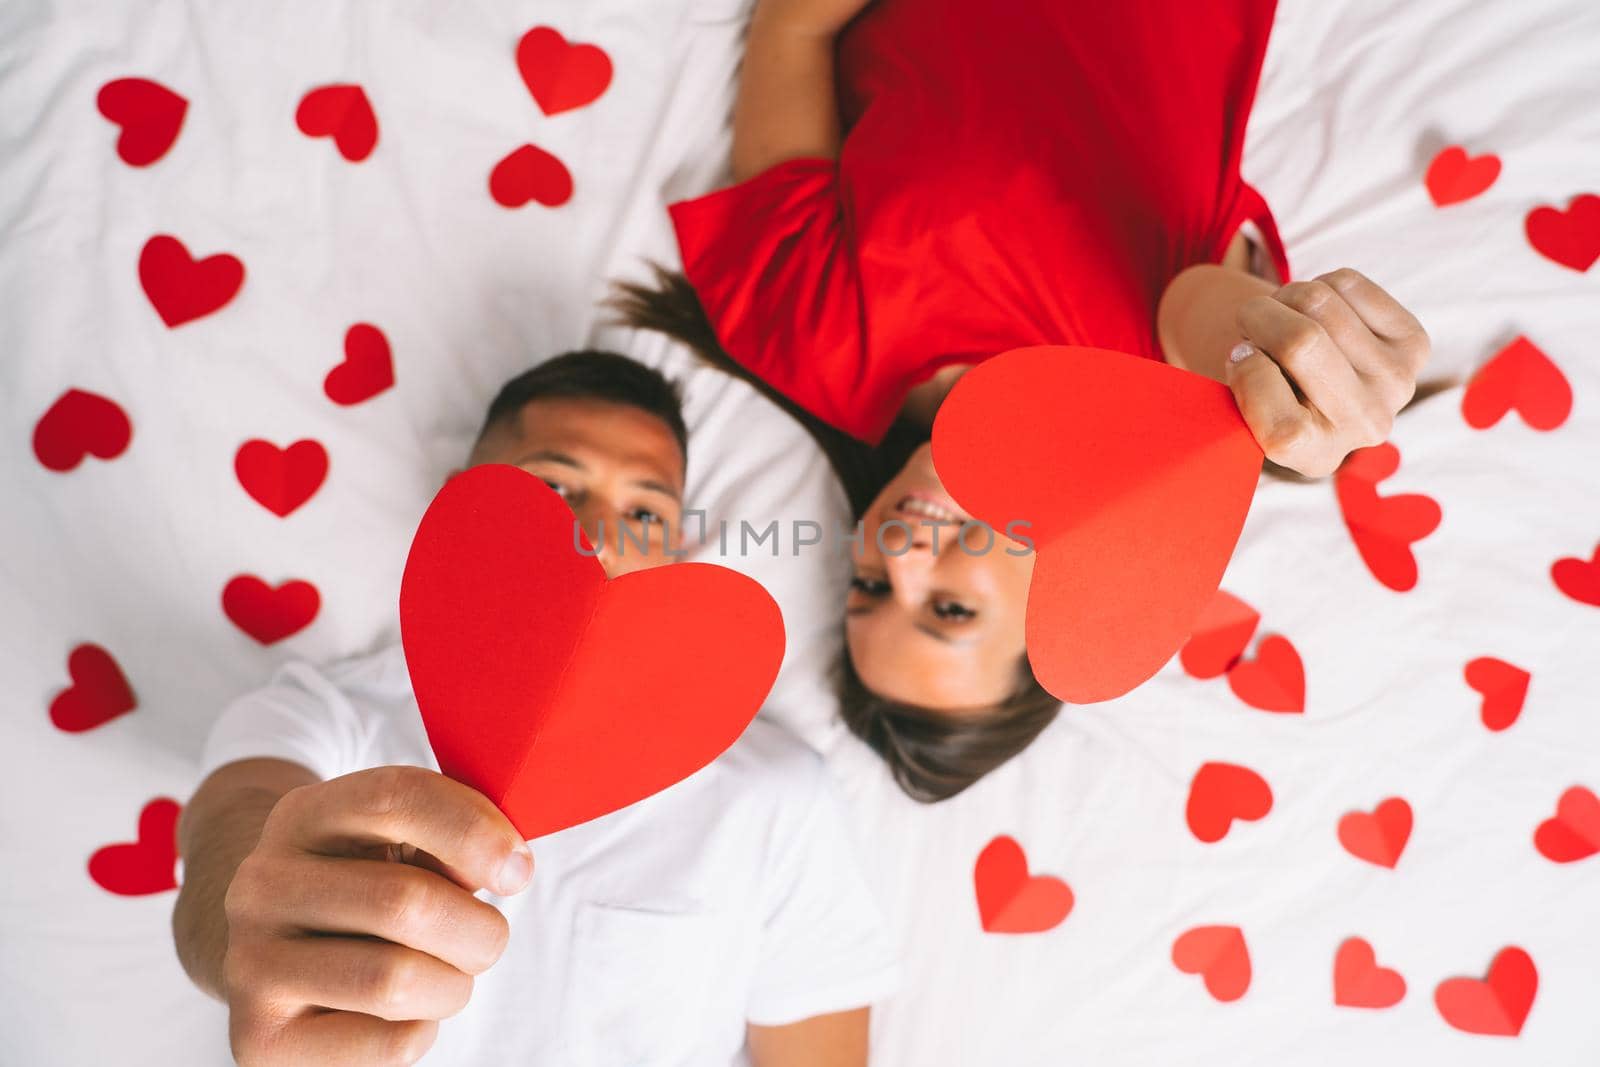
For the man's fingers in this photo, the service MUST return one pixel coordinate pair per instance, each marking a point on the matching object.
(1287, 431)
(410, 806)
(352, 974)
(334, 1037)
(399, 903)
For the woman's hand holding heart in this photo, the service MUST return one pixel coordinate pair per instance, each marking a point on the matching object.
(1324, 367)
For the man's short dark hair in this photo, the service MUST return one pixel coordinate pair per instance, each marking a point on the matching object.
(592, 375)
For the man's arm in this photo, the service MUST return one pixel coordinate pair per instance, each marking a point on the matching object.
(788, 107)
(837, 1040)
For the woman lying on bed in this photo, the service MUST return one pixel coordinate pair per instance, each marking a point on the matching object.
(974, 178)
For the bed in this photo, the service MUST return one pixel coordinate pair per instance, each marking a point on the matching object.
(1174, 877)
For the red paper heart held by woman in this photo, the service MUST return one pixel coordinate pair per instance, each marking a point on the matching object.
(560, 695)
(1136, 478)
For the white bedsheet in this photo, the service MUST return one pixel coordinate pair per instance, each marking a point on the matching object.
(132, 554)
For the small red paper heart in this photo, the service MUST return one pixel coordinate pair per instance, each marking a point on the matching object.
(344, 113)
(367, 370)
(139, 868)
(1578, 578)
(1499, 1004)
(1571, 237)
(1519, 377)
(1220, 636)
(1358, 981)
(1012, 901)
(1136, 478)
(79, 425)
(1274, 681)
(1573, 833)
(561, 76)
(1383, 528)
(559, 694)
(1504, 687)
(267, 613)
(1454, 176)
(1379, 837)
(1219, 955)
(149, 113)
(530, 173)
(182, 288)
(281, 479)
(1221, 793)
(98, 694)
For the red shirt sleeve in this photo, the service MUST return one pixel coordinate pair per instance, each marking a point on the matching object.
(775, 267)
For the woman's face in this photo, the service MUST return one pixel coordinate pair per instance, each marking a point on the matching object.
(938, 628)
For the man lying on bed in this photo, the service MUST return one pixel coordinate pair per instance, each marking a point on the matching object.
(329, 869)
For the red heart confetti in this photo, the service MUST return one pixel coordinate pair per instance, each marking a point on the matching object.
(150, 114)
(1358, 981)
(182, 288)
(1571, 237)
(148, 865)
(1221, 793)
(267, 613)
(1578, 578)
(1522, 378)
(1383, 528)
(1573, 832)
(530, 173)
(1504, 687)
(1378, 837)
(281, 479)
(99, 692)
(1274, 681)
(1219, 955)
(561, 76)
(80, 424)
(1454, 176)
(1497, 1005)
(1220, 636)
(1013, 901)
(367, 370)
(344, 113)
(599, 698)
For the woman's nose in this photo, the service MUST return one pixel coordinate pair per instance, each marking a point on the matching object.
(910, 571)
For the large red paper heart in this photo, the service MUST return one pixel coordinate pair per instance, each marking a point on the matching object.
(1221, 793)
(1274, 681)
(79, 425)
(560, 695)
(1219, 955)
(182, 288)
(149, 113)
(1504, 687)
(1012, 901)
(1578, 578)
(281, 479)
(1378, 837)
(561, 76)
(148, 865)
(530, 173)
(344, 113)
(1383, 528)
(1571, 237)
(1573, 832)
(367, 370)
(1454, 176)
(99, 691)
(1499, 1004)
(1135, 477)
(1519, 377)
(1220, 636)
(1358, 981)
(270, 614)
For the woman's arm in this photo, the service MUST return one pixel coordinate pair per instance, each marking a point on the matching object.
(787, 106)
(837, 1040)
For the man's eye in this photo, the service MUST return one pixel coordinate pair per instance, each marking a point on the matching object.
(645, 515)
(950, 609)
(869, 586)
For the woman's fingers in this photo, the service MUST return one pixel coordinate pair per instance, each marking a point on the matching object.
(1308, 354)
(1289, 432)
(1383, 314)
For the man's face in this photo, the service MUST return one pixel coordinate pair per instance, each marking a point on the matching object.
(615, 465)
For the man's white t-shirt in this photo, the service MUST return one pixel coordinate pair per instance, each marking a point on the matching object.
(648, 937)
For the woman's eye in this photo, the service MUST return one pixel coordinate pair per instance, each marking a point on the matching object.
(869, 586)
(644, 515)
(950, 609)
(562, 491)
